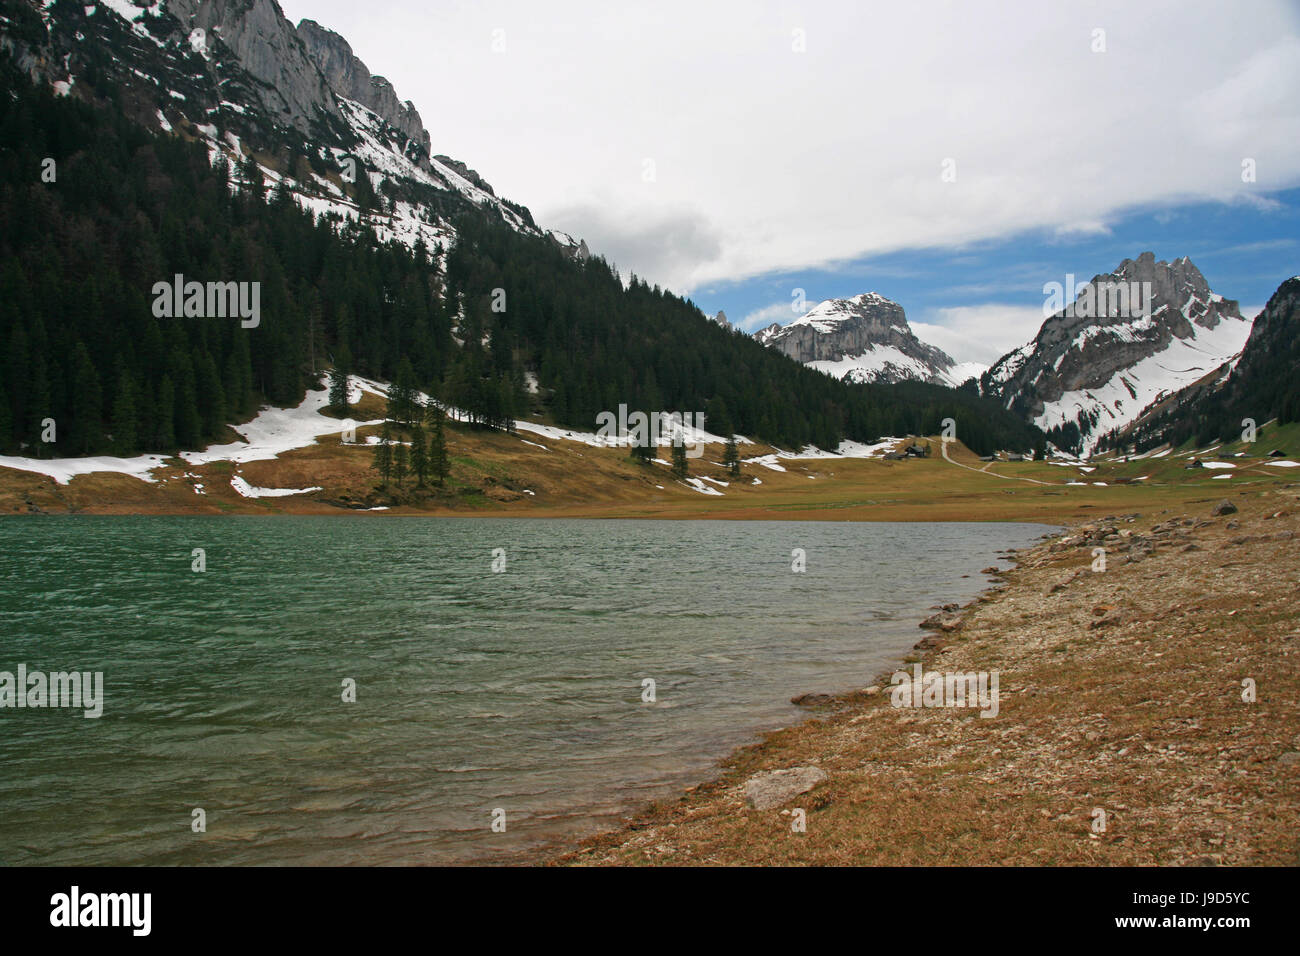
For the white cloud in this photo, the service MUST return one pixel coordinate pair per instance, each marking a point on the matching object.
(779, 312)
(766, 159)
(980, 333)
(1081, 228)
(651, 241)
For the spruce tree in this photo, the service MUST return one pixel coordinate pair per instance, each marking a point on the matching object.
(731, 457)
(6, 428)
(124, 412)
(439, 467)
(680, 468)
(188, 425)
(402, 395)
(38, 406)
(254, 181)
(165, 406)
(339, 379)
(401, 462)
(87, 424)
(419, 456)
(383, 460)
(592, 340)
(212, 396)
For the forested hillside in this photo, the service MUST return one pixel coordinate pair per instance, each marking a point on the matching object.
(596, 343)
(125, 208)
(79, 257)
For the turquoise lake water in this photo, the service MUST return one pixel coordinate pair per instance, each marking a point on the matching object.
(519, 690)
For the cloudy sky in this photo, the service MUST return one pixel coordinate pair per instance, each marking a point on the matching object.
(954, 156)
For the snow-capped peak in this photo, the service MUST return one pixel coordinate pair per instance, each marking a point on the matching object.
(864, 338)
(1093, 369)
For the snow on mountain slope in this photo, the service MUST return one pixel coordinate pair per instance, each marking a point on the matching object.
(238, 75)
(1122, 398)
(1097, 363)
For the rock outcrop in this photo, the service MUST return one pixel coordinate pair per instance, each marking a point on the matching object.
(290, 87)
(348, 77)
(239, 76)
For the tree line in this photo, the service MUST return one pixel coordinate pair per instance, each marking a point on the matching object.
(501, 325)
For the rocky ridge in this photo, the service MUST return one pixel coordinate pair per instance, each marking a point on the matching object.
(1106, 355)
(865, 338)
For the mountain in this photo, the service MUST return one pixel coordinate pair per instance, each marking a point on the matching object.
(237, 76)
(864, 339)
(1129, 338)
(503, 323)
(213, 140)
(1262, 384)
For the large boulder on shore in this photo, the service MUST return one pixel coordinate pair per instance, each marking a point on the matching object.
(767, 790)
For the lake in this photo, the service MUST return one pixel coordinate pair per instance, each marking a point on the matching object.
(519, 690)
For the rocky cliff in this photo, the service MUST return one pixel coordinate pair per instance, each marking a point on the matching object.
(237, 75)
(348, 77)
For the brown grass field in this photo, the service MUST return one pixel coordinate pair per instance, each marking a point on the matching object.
(493, 474)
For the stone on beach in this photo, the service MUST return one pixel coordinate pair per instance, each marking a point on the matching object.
(767, 790)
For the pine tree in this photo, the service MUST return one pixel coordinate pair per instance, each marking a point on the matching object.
(402, 395)
(439, 467)
(87, 424)
(165, 405)
(401, 462)
(680, 468)
(124, 412)
(731, 457)
(419, 456)
(339, 379)
(383, 460)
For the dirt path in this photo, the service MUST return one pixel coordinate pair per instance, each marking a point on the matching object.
(985, 470)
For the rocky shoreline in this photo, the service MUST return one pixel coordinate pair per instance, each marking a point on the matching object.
(1144, 712)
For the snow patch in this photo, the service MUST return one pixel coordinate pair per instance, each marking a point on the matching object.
(250, 491)
(701, 487)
